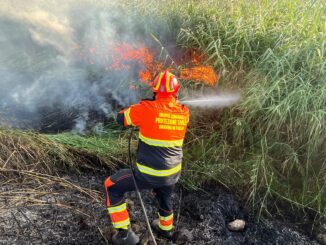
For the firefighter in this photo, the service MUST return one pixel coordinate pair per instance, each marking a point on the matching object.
(162, 124)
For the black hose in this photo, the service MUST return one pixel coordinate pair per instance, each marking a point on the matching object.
(137, 189)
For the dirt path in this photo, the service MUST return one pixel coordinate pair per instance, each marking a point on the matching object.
(62, 213)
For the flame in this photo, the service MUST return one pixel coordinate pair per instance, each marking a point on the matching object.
(125, 56)
(200, 74)
(125, 53)
(196, 71)
(145, 75)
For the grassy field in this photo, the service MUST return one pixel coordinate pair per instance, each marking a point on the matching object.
(268, 148)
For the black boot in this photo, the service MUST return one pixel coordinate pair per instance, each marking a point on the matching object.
(125, 237)
(160, 232)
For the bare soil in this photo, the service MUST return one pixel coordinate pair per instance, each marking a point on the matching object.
(71, 210)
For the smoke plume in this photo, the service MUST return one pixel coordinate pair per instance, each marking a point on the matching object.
(55, 62)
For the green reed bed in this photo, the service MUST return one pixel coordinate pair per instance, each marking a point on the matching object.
(272, 144)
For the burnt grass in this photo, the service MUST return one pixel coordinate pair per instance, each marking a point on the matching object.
(70, 216)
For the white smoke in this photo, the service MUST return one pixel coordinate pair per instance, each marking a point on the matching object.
(47, 22)
(56, 54)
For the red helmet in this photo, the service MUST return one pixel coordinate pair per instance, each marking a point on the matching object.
(166, 83)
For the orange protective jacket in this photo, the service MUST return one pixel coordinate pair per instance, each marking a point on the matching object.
(162, 126)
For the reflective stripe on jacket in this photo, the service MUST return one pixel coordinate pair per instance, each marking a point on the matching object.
(162, 126)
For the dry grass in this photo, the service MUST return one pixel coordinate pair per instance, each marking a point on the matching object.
(30, 151)
(33, 167)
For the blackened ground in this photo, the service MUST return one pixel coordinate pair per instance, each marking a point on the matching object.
(63, 213)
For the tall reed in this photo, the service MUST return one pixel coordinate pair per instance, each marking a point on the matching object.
(271, 145)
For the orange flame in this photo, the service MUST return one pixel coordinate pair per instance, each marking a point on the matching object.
(195, 70)
(145, 75)
(200, 74)
(124, 54)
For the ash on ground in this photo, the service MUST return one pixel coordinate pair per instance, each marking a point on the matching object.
(74, 212)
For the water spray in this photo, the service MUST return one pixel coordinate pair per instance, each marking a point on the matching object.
(216, 101)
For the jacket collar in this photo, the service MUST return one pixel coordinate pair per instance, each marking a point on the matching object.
(171, 98)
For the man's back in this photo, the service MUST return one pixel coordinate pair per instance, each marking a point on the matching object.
(162, 126)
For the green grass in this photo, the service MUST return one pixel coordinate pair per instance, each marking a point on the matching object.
(109, 143)
(110, 147)
(51, 154)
